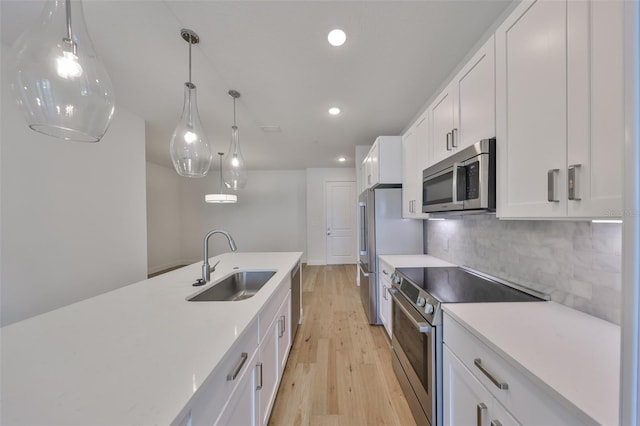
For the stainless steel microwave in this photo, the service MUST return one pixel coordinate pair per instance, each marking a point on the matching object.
(463, 182)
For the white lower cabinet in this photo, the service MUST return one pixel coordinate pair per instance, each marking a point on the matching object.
(384, 307)
(467, 402)
(284, 333)
(273, 352)
(482, 388)
(267, 373)
(241, 407)
(243, 387)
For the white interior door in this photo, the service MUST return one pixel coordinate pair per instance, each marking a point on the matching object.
(341, 208)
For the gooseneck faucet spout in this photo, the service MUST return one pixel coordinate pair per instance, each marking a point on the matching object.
(206, 269)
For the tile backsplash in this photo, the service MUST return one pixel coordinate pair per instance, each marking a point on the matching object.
(577, 263)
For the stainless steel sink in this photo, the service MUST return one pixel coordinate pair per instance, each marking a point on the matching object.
(239, 286)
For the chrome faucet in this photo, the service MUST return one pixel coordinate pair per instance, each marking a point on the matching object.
(206, 269)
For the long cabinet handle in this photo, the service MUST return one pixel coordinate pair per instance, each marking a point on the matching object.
(572, 184)
(449, 143)
(496, 423)
(500, 385)
(454, 138)
(552, 193)
(259, 365)
(479, 412)
(243, 358)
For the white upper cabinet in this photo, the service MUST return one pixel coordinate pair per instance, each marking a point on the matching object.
(383, 163)
(414, 146)
(464, 113)
(559, 110)
(595, 108)
(475, 98)
(443, 124)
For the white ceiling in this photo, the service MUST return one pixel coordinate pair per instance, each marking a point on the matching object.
(276, 55)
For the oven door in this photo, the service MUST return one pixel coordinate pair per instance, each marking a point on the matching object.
(413, 342)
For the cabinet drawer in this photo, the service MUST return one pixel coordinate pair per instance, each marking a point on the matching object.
(385, 271)
(214, 392)
(271, 308)
(522, 397)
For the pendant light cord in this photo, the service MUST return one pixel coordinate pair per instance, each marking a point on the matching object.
(234, 112)
(69, 39)
(189, 59)
(68, 6)
(221, 181)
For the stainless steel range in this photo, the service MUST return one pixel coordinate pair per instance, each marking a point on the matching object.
(418, 295)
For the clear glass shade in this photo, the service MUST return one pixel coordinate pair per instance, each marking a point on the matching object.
(190, 151)
(234, 170)
(60, 83)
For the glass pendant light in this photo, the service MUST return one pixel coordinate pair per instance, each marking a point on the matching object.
(60, 83)
(189, 147)
(235, 172)
(221, 197)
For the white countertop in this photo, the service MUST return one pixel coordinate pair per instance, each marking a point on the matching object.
(413, 261)
(135, 355)
(571, 355)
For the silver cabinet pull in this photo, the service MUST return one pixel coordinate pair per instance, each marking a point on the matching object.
(500, 385)
(572, 182)
(449, 143)
(281, 326)
(454, 138)
(384, 271)
(479, 412)
(496, 423)
(243, 358)
(259, 365)
(552, 193)
(384, 292)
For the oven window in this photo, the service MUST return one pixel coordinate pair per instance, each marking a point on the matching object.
(414, 344)
(438, 190)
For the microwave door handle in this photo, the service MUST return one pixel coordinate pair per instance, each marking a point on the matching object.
(454, 185)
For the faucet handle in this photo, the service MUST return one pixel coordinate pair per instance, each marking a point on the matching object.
(213, 268)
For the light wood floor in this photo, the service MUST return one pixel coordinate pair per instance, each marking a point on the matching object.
(339, 370)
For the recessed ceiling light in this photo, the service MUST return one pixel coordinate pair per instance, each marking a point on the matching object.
(334, 111)
(342, 159)
(337, 37)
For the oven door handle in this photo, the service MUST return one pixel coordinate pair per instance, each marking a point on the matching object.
(421, 326)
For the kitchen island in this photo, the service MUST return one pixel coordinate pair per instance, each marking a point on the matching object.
(136, 355)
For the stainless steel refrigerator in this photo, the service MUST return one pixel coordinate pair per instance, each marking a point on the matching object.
(382, 231)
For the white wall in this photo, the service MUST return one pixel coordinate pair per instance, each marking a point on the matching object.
(316, 241)
(270, 214)
(73, 215)
(163, 218)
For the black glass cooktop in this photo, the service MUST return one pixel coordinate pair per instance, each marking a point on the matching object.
(456, 285)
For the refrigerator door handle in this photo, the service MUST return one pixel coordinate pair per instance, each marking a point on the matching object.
(362, 271)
